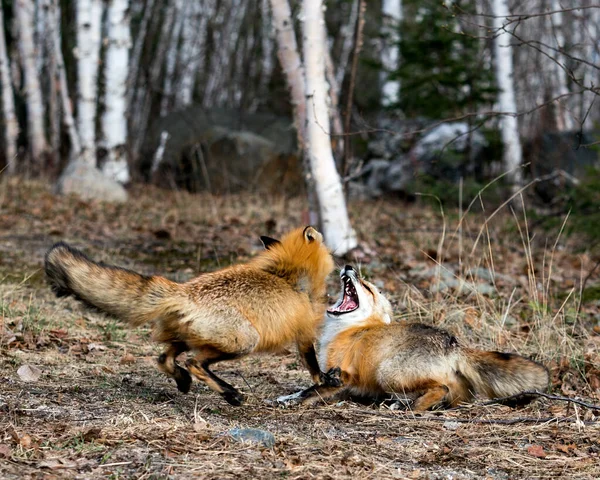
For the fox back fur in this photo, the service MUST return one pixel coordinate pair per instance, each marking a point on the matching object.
(275, 299)
(376, 356)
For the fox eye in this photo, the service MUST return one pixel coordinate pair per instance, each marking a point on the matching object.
(368, 288)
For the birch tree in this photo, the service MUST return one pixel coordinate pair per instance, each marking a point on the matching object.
(11, 124)
(291, 64)
(89, 15)
(24, 12)
(114, 120)
(338, 233)
(61, 80)
(564, 120)
(390, 53)
(171, 63)
(192, 36)
(512, 154)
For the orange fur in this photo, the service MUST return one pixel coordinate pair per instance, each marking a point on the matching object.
(377, 357)
(276, 299)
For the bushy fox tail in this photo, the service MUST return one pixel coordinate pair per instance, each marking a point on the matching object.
(124, 294)
(498, 375)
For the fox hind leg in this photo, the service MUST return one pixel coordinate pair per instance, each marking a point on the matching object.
(168, 365)
(199, 368)
(434, 396)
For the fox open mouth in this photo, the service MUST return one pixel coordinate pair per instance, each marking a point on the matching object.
(349, 300)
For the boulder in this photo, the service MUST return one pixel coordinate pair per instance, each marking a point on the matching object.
(89, 183)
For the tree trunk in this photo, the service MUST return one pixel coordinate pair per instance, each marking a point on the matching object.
(506, 97)
(23, 11)
(390, 53)
(61, 79)
(89, 15)
(338, 233)
(136, 53)
(11, 124)
(114, 119)
(192, 46)
(291, 64)
(564, 118)
(172, 57)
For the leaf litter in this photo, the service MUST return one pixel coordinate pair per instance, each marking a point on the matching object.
(98, 407)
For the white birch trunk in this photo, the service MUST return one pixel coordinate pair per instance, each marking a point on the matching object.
(564, 119)
(338, 233)
(11, 124)
(172, 57)
(291, 64)
(23, 11)
(192, 45)
(89, 16)
(114, 119)
(65, 100)
(506, 97)
(390, 53)
(40, 32)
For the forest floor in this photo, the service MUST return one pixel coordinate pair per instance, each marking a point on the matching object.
(80, 396)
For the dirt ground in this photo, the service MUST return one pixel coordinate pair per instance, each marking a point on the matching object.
(80, 396)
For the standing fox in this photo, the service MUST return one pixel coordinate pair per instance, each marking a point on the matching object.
(373, 356)
(276, 299)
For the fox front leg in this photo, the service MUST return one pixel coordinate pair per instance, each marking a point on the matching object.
(331, 384)
(309, 358)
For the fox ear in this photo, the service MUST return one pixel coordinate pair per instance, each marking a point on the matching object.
(268, 242)
(310, 235)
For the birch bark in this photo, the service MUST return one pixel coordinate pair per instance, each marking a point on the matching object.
(335, 224)
(11, 124)
(36, 136)
(114, 120)
(564, 119)
(192, 36)
(89, 15)
(390, 53)
(291, 64)
(61, 79)
(512, 154)
(172, 57)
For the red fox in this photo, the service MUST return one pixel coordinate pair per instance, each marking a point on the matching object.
(275, 299)
(367, 355)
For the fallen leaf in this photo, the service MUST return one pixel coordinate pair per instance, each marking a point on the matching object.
(91, 434)
(29, 373)
(566, 448)
(127, 359)
(96, 346)
(4, 451)
(536, 451)
(25, 440)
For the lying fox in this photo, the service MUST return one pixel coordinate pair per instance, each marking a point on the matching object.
(276, 299)
(367, 355)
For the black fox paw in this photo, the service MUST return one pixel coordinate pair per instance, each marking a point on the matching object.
(183, 380)
(332, 378)
(233, 397)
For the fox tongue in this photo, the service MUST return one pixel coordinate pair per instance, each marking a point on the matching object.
(347, 304)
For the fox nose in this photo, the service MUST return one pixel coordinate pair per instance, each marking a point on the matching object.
(348, 268)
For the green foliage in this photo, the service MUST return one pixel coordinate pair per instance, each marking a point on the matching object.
(448, 191)
(583, 202)
(443, 70)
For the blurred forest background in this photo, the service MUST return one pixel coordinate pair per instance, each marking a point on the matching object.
(195, 89)
(423, 96)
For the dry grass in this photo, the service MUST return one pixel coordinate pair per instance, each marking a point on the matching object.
(101, 409)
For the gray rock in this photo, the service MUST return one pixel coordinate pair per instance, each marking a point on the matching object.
(378, 148)
(253, 435)
(89, 183)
